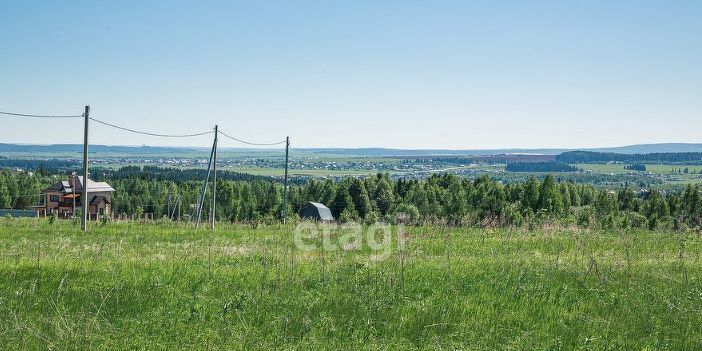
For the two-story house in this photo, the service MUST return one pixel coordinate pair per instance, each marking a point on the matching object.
(64, 198)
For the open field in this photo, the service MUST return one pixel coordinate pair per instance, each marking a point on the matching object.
(168, 286)
(653, 168)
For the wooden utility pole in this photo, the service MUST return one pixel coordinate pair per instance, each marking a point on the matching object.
(73, 190)
(285, 181)
(214, 180)
(201, 203)
(84, 195)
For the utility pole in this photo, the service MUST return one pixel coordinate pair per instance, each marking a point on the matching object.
(73, 188)
(285, 182)
(84, 196)
(201, 203)
(214, 180)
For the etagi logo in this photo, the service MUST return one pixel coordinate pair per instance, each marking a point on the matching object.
(350, 237)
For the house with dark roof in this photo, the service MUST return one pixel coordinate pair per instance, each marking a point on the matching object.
(64, 198)
(316, 211)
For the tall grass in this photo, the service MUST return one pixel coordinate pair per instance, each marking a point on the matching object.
(168, 286)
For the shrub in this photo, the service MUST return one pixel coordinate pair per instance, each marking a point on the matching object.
(584, 216)
(404, 212)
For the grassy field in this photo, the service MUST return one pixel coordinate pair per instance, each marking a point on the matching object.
(618, 168)
(167, 286)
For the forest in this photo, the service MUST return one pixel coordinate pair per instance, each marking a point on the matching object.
(544, 167)
(441, 198)
(656, 157)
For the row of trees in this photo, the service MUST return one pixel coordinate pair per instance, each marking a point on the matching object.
(20, 189)
(446, 198)
(544, 167)
(636, 167)
(656, 157)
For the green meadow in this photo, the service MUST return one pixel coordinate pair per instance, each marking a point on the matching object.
(166, 286)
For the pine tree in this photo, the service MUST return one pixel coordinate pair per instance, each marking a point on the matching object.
(5, 199)
(342, 201)
(531, 195)
(384, 196)
(359, 195)
(549, 196)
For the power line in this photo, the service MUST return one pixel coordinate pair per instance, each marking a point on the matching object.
(39, 116)
(251, 143)
(149, 133)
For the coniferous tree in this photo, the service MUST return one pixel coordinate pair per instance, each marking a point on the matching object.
(549, 196)
(359, 195)
(342, 202)
(384, 195)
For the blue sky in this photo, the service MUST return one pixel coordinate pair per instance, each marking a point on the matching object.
(405, 74)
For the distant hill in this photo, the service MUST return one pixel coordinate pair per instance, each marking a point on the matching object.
(78, 148)
(656, 157)
(630, 149)
(651, 148)
(369, 152)
(382, 152)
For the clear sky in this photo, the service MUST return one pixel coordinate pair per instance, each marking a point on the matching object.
(363, 73)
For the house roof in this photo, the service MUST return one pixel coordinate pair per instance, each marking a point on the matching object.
(66, 187)
(323, 211)
(95, 186)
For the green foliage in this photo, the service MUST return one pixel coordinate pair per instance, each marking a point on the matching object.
(550, 198)
(405, 213)
(139, 213)
(440, 198)
(660, 157)
(544, 167)
(343, 202)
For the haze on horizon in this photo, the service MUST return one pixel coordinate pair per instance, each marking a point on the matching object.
(396, 74)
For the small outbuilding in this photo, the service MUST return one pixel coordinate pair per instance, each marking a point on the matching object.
(316, 211)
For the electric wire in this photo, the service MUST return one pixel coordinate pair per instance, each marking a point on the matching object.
(149, 133)
(39, 116)
(250, 143)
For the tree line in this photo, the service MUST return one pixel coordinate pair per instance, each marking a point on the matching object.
(657, 157)
(636, 167)
(441, 198)
(544, 167)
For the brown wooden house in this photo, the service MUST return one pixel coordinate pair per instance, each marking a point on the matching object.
(64, 198)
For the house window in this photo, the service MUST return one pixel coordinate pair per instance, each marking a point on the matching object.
(54, 198)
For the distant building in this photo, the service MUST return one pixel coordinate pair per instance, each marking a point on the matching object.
(64, 198)
(316, 211)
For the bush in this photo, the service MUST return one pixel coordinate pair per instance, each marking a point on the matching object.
(608, 222)
(347, 216)
(139, 213)
(513, 216)
(372, 217)
(637, 220)
(404, 213)
(584, 216)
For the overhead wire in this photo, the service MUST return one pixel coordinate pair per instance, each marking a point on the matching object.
(39, 116)
(150, 133)
(143, 132)
(249, 142)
